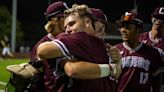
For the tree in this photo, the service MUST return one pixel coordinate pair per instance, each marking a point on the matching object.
(5, 25)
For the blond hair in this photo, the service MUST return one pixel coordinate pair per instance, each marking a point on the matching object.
(82, 10)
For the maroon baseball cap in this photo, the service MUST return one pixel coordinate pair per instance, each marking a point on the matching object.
(98, 14)
(159, 13)
(55, 9)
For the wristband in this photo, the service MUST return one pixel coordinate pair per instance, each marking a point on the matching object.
(104, 69)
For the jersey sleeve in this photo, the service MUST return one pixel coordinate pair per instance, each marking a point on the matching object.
(82, 47)
(72, 47)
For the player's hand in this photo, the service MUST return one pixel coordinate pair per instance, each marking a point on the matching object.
(50, 26)
(113, 52)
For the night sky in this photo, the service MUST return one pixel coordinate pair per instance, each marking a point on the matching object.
(31, 12)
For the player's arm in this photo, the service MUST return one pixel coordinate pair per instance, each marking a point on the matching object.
(47, 50)
(73, 69)
(114, 53)
(83, 70)
(116, 58)
(87, 70)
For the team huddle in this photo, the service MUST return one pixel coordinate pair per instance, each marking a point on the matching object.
(75, 58)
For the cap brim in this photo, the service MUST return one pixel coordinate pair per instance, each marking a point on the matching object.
(158, 17)
(120, 23)
(55, 15)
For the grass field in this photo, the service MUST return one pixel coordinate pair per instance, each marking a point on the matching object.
(4, 75)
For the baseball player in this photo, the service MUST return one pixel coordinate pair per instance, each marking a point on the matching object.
(55, 25)
(79, 42)
(140, 62)
(155, 38)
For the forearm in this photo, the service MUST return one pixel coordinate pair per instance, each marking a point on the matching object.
(82, 70)
(87, 70)
(48, 50)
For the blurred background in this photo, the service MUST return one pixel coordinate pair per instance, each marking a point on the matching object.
(23, 20)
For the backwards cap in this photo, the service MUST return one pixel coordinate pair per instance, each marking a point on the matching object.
(98, 14)
(55, 9)
(159, 13)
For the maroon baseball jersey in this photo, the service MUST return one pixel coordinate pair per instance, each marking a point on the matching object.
(138, 67)
(158, 43)
(48, 37)
(89, 48)
(52, 82)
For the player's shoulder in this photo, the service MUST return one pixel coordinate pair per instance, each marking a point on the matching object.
(61, 35)
(144, 34)
(43, 39)
(80, 34)
(150, 48)
(119, 45)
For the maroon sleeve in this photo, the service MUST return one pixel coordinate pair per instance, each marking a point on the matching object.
(85, 47)
(33, 51)
(91, 49)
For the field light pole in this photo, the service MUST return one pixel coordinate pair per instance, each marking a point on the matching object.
(14, 22)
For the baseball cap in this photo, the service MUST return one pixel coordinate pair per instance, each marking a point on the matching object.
(55, 9)
(129, 18)
(159, 13)
(98, 14)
